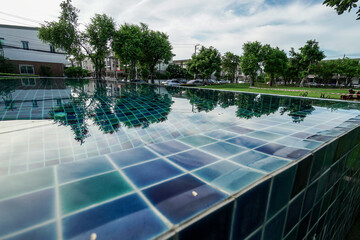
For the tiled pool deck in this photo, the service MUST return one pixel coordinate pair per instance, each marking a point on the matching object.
(201, 174)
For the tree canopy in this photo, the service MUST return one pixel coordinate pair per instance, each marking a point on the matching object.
(206, 62)
(230, 63)
(342, 6)
(274, 61)
(251, 59)
(94, 42)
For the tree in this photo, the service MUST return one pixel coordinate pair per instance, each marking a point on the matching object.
(156, 49)
(348, 68)
(175, 71)
(206, 62)
(127, 45)
(309, 55)
(342, 6)
(251, 59)
(275, 62)
(230, 63)
(325, 70)
(5, 65)
(93, 42)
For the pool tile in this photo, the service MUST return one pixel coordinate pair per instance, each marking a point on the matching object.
(169, 147)
(223, 149)
(268, 164)
(192, 159)
(35, 208)
(176, 200)
(318, 137)
(265, 135)
(77, 195)
(251, 203)
(299, 143)
(274, 228)
(151, 172)
(13, 185)
(283, 151)
(216, 225)
(132, 156)
(221, 134)
(80, 169)
(281, 190)
(197, 140)
(256, 235)
(248, 157)
(128, 217)
(281, 131)
(228, 176)
(293, 213)
(47, 232)
(302, 175)
(237, 129)
(246, 141)
(309, 199)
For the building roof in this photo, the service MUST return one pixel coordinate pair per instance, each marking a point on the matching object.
(18, 27)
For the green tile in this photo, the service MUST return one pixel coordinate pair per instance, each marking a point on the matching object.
(197, 140)
(77, 195)
(17, 184)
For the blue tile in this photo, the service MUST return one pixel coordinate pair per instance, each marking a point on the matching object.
(169, 147)
(149, 173)
(246, 141)
(228, 176)
(265, 135)
(132, 156)
(35, 208)
(250, 210)
(274, 228)
(293, 213)
(192, 159)
(281, 131)
(283, 151)
(240, 130)
(80, 169)
(249, 157)
(221, 134)
(197, 140)
(309, 199)
(269, 164)
(47, 232)
(223, 149)
(296, 142)
(302, 175)
(281, 190)
(175, 198)
(256, 236)
(216, 225)
(128, 217)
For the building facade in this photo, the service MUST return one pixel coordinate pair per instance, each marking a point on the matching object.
(28, 53)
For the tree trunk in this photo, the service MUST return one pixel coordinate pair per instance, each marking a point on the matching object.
(303, 82)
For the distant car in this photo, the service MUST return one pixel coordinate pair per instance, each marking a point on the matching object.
(137, 81)
(196, 83)
(172, 83)
(211, 82)
(222, 81)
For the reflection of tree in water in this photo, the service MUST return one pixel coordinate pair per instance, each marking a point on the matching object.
(140, 106)
(203, 100)
(227, 99)
(72, 114)
(7, 87)
(250, 105)
(174, 91)
(298, 108)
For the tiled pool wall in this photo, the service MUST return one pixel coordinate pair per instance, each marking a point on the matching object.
(317, 197)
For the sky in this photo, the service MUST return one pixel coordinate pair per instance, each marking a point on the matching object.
(223, 24)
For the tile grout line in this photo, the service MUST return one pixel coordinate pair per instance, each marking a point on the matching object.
(139, 192)
(57, 206)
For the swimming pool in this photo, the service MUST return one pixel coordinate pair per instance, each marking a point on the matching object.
(138, 161)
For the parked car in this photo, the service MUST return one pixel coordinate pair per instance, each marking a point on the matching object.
(137, 81)
(196, 83)
(211, 82)
(172, 83)
(222, 81)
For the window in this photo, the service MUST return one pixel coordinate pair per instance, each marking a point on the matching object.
(52, 49)
(25, 45)
(1, 42)
(26, 69)
(28, 82)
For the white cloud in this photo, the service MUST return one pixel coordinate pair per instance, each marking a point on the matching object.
(225, 25)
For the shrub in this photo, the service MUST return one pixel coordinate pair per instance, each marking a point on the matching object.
(45, 71)
(5, 65)
(77, 72)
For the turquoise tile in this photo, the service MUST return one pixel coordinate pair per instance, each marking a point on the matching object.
(228, 176)
(265, 135)
(78, 195)
(197, 140)
(249, 157)
(223, 149)
(221, 134)
(269, 164)
(192, 159)
(296, 142)
(13, 185)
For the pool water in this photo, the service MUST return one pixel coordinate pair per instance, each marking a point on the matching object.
(79, 157)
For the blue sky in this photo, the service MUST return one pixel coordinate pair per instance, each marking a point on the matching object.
(225, 25)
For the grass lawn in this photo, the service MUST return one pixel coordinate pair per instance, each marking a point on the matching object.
(314, 92)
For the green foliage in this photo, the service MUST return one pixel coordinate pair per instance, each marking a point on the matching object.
(127, 46)
(77, 72)
(205, 63)
(176, 71)
(275, 62)
(230, 63)
(156, 49)
(94, 42)
(342, 6)
(251, 59)
(45, 71)
(5, 65)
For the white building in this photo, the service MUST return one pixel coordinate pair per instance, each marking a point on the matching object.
(27, 52)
